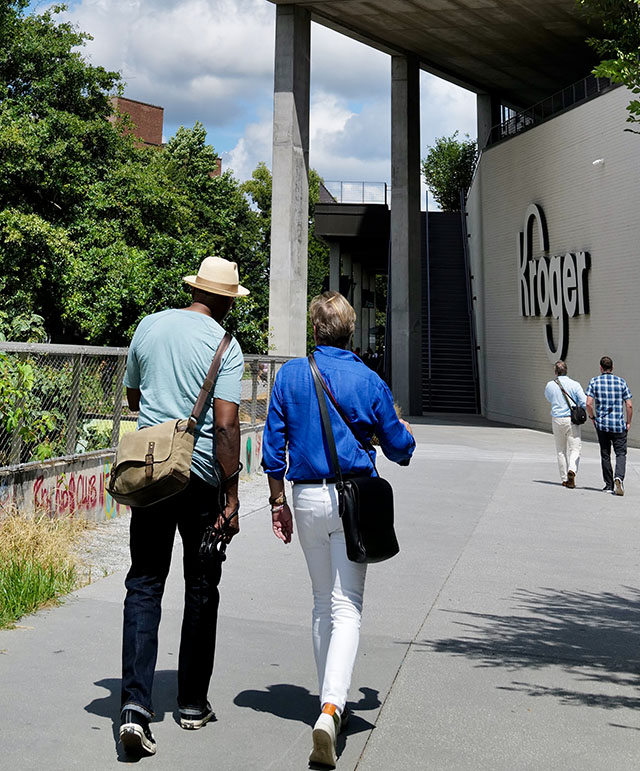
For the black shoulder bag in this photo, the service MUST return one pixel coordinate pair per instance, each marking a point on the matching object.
(365, 502)
(578, 413)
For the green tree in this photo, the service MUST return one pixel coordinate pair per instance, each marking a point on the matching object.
(95, 232)
(448, 169)
(619, 48)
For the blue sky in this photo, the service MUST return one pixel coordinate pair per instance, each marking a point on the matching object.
(212, 60)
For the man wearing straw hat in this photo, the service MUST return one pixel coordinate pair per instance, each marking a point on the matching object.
(168, 360)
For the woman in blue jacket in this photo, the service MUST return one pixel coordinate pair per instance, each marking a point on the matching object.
(294, 428)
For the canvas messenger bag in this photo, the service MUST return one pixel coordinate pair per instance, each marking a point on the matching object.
(154, 462)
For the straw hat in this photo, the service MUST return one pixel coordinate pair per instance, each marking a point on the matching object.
(217, 276)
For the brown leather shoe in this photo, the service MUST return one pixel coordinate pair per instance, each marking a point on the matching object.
(571, 479)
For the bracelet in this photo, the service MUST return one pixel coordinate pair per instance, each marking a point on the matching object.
(279, 500)
(276, 509)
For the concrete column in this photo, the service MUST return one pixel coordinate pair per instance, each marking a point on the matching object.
(372, 311)
(364, 333)
(405, 283)
(290, 191)
(488, 116)
(347, 270)
(357, 304)
(334, 266)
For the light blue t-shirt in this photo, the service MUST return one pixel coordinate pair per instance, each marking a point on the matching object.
(168, 360)
(559, 407)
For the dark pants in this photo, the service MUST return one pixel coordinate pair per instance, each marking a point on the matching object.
(151, 542)
(607, 439)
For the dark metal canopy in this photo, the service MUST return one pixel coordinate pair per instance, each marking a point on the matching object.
(523, 50)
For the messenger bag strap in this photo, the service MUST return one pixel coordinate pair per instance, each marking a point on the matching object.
(566, 395)
(365, 444)
(326, 422)
(209, 381)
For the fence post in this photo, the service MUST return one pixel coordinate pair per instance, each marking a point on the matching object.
(254, 391)
(272, 377)
(74, 403)
(16, 444)
(117, 400)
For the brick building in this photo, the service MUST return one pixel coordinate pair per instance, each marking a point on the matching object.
(147, 119)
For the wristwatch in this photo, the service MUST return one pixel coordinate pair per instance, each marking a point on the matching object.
(279, 500)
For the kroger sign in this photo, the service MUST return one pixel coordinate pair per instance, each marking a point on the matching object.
(550, 286)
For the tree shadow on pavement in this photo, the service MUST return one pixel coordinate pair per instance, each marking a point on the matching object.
(292, 702)
(593, 637)
(165, 688)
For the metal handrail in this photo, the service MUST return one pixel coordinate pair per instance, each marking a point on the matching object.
(337, 189)
(577, 93)
(472, 321)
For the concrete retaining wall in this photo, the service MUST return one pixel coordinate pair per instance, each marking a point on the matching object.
(75, 486)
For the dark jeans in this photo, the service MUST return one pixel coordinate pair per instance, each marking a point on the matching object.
(151, 542)
(607, 439)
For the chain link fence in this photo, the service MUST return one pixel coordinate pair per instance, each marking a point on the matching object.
(58, 401)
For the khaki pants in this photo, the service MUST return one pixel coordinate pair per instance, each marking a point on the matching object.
(568, 445)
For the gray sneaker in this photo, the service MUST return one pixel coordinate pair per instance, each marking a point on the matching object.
(619, 486)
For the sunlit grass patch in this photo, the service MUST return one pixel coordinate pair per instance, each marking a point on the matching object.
(37, 562)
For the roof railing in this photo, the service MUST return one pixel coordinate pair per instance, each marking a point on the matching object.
(515, 122)
(357, 192)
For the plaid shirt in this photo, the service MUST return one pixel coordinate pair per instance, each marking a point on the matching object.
(610, 392)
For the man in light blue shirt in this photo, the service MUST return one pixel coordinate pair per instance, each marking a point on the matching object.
(168, 361)
(567, 434)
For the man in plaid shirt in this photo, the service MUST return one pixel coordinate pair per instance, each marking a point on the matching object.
(612, 399)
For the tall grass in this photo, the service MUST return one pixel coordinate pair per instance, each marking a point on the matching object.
(37, 562)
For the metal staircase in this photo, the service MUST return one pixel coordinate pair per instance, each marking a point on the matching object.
(449, 372)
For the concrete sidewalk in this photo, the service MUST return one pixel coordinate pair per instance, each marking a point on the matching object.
(504, 636)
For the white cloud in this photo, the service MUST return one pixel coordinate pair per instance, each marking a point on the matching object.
(212, 60)
(200, 60)
(252, 147)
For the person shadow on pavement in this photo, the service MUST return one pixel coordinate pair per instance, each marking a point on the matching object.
(292, 702)
(165, 686)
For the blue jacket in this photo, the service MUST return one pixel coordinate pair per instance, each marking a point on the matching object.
(294, 424)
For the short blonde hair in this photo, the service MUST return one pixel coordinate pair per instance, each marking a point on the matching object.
(334, 319)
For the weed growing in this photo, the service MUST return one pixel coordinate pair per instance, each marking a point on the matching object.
(37, 563)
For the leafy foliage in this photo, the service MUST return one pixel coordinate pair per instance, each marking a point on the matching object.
(619, 48)
(448, 169)
(95, 231)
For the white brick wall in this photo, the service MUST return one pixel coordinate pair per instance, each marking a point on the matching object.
(591, 208)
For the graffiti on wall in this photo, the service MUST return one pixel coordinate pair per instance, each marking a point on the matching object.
(76, 492)
(81, 491)
(252, 452)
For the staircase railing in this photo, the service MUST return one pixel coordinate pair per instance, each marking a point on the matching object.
(470, 297)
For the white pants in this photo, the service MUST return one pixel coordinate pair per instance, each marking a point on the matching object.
(338, 588)
(568, 445)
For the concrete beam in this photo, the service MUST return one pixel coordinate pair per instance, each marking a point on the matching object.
(290, 191)
(405, 278)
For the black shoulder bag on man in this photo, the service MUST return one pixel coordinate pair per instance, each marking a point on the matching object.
(578, 413)
(154, 462)
(365, 502)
